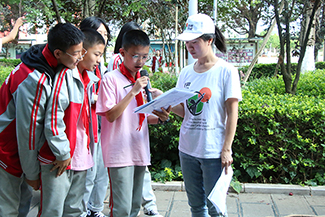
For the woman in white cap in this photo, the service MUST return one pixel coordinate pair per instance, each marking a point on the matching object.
(210, 118)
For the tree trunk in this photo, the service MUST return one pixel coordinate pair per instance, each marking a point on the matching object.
(266, 38)
(308, 62)
(101, 8)
(304, 45)
(56, 10)
(282, 37)
(252, 30)
(89, 8)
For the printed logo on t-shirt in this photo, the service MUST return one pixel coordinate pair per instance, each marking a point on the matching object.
(195, 104)
(187, 85)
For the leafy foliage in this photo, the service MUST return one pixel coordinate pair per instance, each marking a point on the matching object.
(4, 72)
(279, 137)
(6, 66)
(242, 16)
(164, 138)
(268, 70)
(9, 62)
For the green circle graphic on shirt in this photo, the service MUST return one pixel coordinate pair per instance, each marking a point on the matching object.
(194, 105)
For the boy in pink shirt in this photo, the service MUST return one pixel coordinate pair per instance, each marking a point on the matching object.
(125, 136)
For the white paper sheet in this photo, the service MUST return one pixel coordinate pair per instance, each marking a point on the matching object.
(218, 194)
(171, 97)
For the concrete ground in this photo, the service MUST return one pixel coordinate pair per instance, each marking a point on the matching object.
(255, 200)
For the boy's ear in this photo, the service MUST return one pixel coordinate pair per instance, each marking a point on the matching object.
(57, 53)
(122, 51)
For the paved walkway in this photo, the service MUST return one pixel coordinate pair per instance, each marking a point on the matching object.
(255, 200)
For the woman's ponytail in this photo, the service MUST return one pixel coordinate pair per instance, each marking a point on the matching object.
(220, 40)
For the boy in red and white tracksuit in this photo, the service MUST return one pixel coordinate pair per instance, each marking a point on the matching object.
(23, 100)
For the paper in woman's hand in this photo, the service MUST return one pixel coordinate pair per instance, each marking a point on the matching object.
(171, 97)
(218, 194)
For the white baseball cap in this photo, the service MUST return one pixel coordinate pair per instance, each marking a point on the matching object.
(197, 25)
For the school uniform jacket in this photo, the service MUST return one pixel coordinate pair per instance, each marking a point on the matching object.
(63, 113)
(24, 96)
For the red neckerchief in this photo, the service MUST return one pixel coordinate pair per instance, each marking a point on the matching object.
(138, 97)
(85, 112)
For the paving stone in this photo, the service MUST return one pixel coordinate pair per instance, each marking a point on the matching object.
(174, 203)
(255, 198)
(315, 200)
(180, 208)
(233, 207)
(256, 205)
(233, 215)
(291, 205)
(164, 200)
(257, 210)
(319, 210)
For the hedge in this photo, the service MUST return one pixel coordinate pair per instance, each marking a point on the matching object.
(267, 70)
(9, 62)
(6, 66)
(164, 138)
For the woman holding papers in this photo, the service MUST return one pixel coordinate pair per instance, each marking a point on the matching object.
(210, 117)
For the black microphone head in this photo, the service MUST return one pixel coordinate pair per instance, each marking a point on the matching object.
(144, 72)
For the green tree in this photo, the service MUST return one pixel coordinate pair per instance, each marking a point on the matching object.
(273, 41)
(242, 16)
(291, 12)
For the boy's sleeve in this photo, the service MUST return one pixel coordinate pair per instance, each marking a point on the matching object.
(54, 118)
(106, 96)
(31, 98)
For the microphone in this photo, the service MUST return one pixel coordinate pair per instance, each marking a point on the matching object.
(144, 72)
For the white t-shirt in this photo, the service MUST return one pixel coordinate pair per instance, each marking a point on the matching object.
(203, 129)
(122, 144)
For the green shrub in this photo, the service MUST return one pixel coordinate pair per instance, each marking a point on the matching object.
(280, 137)
(6, 66)
(320, 65)
(267, 70)
(4, 72)
(164, 138)
(9, 62)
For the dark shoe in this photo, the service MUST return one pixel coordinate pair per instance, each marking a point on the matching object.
(152, 213)
(91, 213)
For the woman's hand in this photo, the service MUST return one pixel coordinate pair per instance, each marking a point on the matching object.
(164, 114)
(226, 159)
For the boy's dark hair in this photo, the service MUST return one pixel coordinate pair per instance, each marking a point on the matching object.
(64, 35)
(92, 38)
(135, 38)
(127, 27)
(94, 23)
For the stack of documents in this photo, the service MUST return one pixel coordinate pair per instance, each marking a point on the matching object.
(171, 97)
